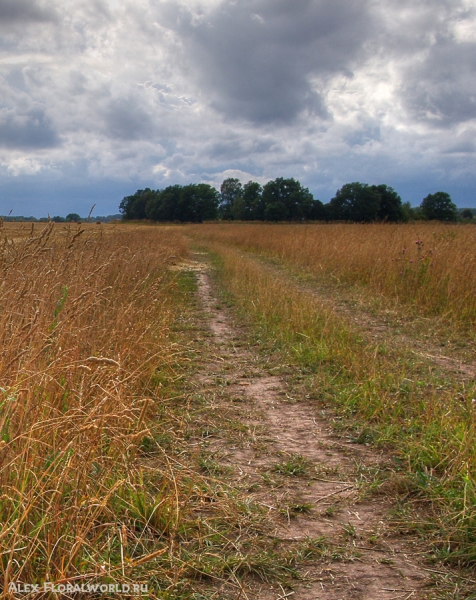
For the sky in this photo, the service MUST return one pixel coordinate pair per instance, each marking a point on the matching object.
(99, 98)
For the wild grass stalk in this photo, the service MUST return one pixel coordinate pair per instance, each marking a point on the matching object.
(85, 319)
(429, 268)
(428, 420)
(98, 480)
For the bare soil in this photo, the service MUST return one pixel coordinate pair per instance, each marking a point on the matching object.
(313, 484)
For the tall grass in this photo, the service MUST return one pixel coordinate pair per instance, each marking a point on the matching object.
(85, 317)
(430, 267)
(101, 473)
(428, 420)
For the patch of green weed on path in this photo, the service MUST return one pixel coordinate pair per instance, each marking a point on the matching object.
(389, 396)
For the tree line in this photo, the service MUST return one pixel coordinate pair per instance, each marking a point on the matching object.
(281, 200)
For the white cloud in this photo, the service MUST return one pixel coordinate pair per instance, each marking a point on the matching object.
(23, 166)
(178, 91)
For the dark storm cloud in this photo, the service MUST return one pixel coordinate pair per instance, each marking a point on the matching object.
(29, 131)
(255, 58)
(157, 92)
(125, 120)
(13, 11)
(442, 88)
(435, 42)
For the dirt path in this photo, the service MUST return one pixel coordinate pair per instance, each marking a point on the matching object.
(313, 485)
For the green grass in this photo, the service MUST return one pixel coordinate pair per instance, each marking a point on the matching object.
(383, 395)
(293, 466)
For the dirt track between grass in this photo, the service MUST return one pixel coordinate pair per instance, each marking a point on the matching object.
(424, 337)
(314, 485)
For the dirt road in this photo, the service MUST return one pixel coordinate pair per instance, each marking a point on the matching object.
(318, 489)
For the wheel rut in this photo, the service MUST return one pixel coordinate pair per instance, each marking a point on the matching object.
(314, 485)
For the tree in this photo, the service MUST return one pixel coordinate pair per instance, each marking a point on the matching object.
(162, 205)
(73, 217)
(467, 214)
(133, 207)
(238, 210)
(439, 207)
(355, 202)
(206, 200)
(253, 202)
(408, 213)
(230, 190)
(194, 203)
(317, 211)
(390, 208)
(276, 211)
(288, 200)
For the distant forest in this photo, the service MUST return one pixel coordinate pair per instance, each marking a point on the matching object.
(283, 200)
(278, 200)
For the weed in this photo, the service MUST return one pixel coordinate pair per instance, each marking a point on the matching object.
(348, 530)
(210, 466)
(293, 466)
(294, 509)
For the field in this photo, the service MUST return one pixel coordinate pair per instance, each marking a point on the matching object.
(173, 399)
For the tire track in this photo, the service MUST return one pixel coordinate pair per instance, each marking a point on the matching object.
(323, 503)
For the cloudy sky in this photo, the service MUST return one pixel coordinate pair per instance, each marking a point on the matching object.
(101, 97)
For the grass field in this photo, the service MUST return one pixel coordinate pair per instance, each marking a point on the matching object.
(421, 279)
(85, 319)
(100, 478)
(428, 268)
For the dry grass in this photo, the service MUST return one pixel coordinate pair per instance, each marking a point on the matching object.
(85, 314)
(388, 394)
(430, 267)
(99, 480)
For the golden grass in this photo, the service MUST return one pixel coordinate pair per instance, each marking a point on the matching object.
(430, 267)
(90, 382)
(85, 314)
(389, 395)
(100, 482)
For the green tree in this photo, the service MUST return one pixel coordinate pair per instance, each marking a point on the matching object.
(162, 206)
(276, 211)
(238, 210)
(439, 207)
(133, 207)
(288, 200)
(317, 211)
(390, 208)
(194, 203)
(73, 217)
(467, 214)
(355, 202)
(206, 202)
(253, 201)
(408, 213)
(230, 190)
